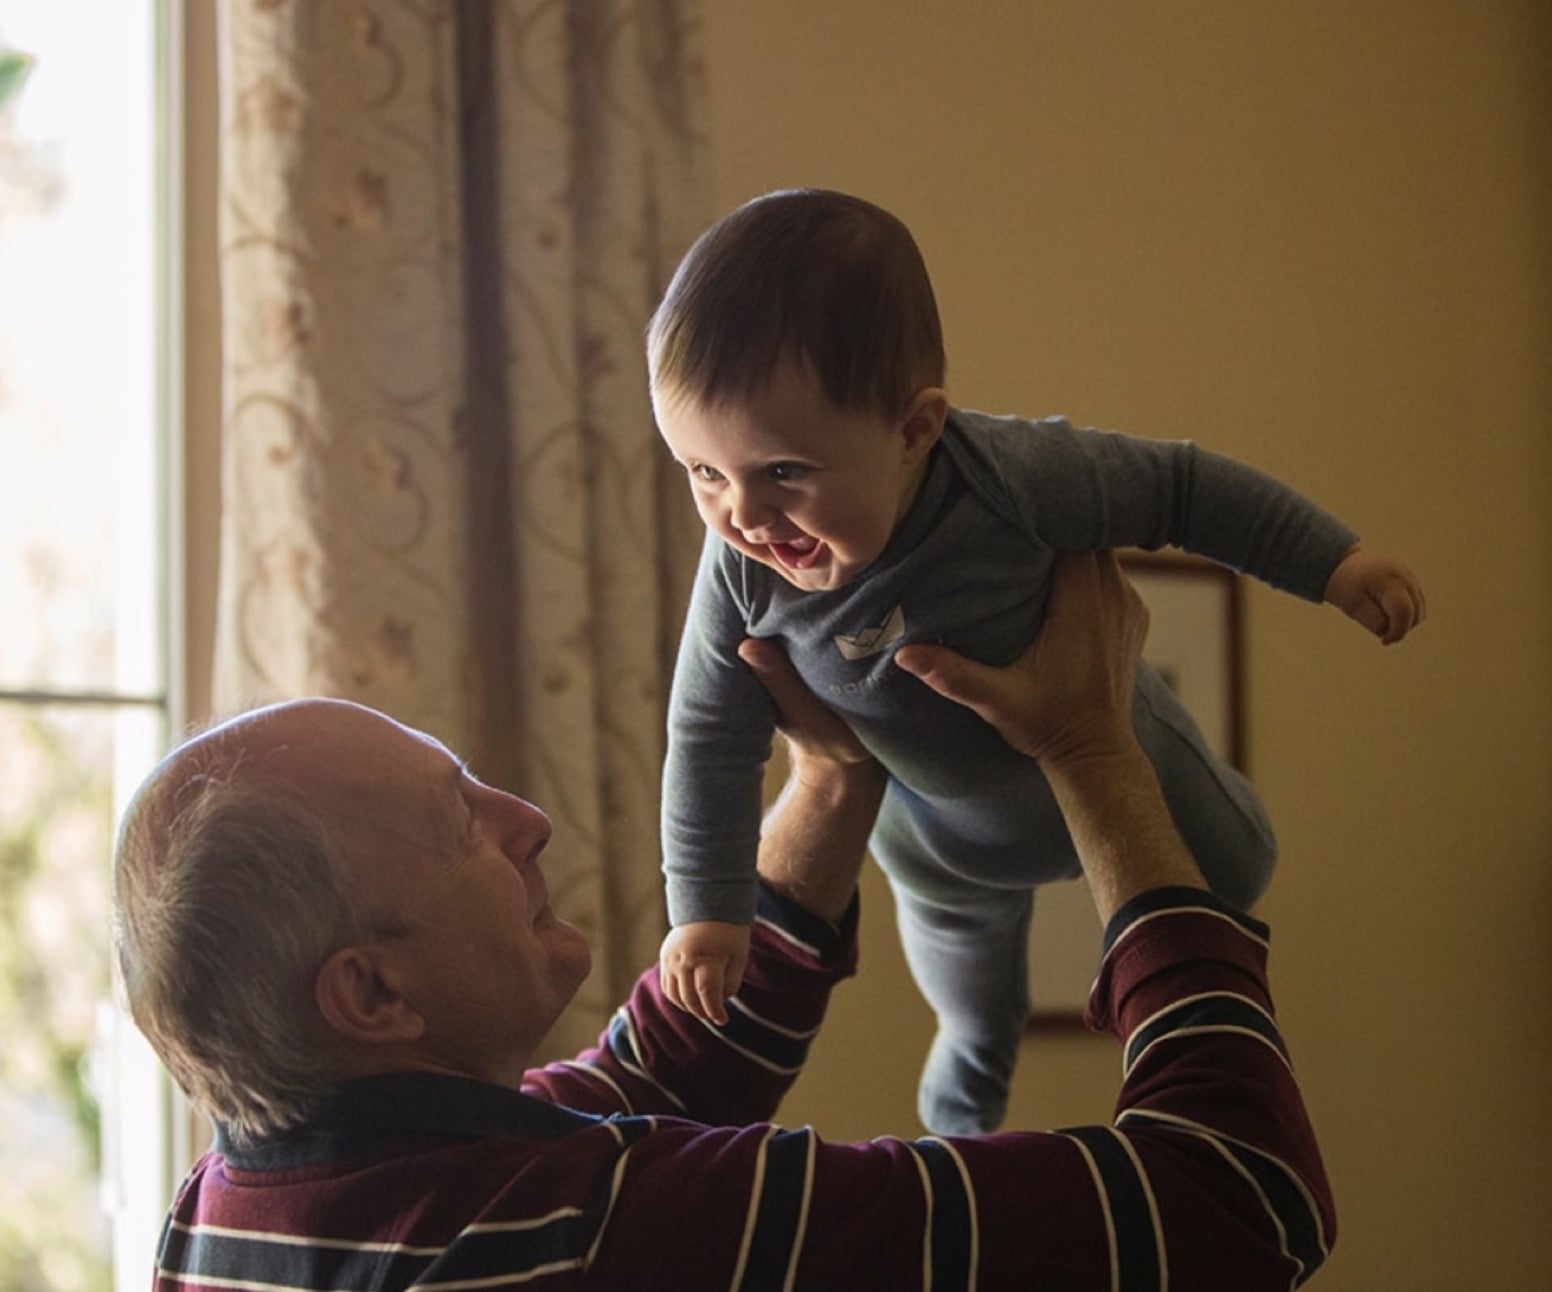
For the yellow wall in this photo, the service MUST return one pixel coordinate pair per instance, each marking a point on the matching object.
(1314, 237)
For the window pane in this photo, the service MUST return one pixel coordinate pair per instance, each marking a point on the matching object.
(80, 592)
(57, 815)
(77, 347)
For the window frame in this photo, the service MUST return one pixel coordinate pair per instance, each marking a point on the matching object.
(147, 1130)
(154, 1123)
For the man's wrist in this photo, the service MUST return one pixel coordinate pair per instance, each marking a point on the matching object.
(1115, 753)
(815, 836)
(1126, 840)
(831, 778)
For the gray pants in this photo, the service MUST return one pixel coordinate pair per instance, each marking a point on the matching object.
(966, 935)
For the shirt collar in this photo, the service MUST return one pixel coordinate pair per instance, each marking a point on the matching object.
(368, 1113)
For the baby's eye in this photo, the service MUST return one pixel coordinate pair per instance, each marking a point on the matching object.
(786, 472)
(710, 475)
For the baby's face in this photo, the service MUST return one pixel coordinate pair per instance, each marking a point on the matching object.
(794, 483)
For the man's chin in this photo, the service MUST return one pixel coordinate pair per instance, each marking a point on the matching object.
(573, 949)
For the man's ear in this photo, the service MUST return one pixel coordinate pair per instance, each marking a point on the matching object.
(359, 996)
(922, 423)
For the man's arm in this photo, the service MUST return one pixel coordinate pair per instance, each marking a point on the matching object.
(814, 839)
(1211, 1168)
(1207, 1178)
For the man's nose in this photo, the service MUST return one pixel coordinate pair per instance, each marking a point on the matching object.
(524, 828)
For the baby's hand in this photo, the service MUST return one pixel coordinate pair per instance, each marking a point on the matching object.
(702, 964)
(1379, 592)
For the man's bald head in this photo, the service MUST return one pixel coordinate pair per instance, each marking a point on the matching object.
(231, 886)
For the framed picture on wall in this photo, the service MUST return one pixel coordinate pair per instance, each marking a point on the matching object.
(1195, 642)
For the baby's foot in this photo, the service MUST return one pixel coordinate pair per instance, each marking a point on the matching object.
(964, 1087)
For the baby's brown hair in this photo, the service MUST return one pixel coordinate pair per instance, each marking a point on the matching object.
(824, 280)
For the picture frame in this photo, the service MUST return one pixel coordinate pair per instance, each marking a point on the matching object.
(1196, 641)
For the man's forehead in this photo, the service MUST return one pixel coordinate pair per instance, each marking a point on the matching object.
(362, 769)
(317, 739)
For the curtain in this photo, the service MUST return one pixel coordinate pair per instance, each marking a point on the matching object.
(444, 224)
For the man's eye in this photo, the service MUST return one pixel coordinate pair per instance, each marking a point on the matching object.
(786, 472)
(710, 475)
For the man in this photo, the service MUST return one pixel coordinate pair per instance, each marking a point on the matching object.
(341, 944)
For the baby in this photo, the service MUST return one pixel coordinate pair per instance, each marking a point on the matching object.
(797, 372)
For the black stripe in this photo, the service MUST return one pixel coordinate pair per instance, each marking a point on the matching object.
(829, 940)
(513, 1251)
(1219, 1011)
(567, 1238)
(951, 1220)
(632, 1128)
(1137, 1252)
(621, 1044)
(1299, 1222)
(781, 1209)
(787, 1052)
(204, 1255)
(595, 1214)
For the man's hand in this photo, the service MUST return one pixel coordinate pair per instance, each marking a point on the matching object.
(816, 738)
(1379, 592)
(702, 964)
(1071, 692)
(813, 841)
(1067, 703)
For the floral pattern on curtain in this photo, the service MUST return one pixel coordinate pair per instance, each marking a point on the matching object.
(444, 226)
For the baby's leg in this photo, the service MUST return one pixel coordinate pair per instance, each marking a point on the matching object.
(967, 946)
(970, 963)
(1219, 815)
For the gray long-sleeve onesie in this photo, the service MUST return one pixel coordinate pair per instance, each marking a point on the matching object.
(968, 827)
(967, 567)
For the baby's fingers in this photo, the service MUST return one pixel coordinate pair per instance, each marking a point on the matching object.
(1403, 609)
(1369, 613)
(709, 993)
(672, 982)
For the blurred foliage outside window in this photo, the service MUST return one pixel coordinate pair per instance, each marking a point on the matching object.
(81, 674)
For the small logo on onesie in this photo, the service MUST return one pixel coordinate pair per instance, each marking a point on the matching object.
(873, 641)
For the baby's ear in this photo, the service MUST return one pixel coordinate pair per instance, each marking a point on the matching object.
(923, 421)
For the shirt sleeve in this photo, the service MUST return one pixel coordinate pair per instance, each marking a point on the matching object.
(1208, 1176)
(655, 1058)
(720, 724)
(1083, 489)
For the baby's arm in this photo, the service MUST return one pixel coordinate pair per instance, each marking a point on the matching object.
(720, 726)
(1379, 592)
(702, 963)
(811, 845)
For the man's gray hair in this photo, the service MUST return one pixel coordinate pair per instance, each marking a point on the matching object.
(230, 894)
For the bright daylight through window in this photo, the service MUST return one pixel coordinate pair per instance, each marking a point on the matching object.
(83, 674)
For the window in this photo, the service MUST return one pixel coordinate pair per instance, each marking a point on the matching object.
(86, 431)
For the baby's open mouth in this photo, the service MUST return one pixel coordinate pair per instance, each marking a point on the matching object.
(800, 554)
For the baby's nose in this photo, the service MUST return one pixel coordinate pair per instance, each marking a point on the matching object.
(750, 512)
